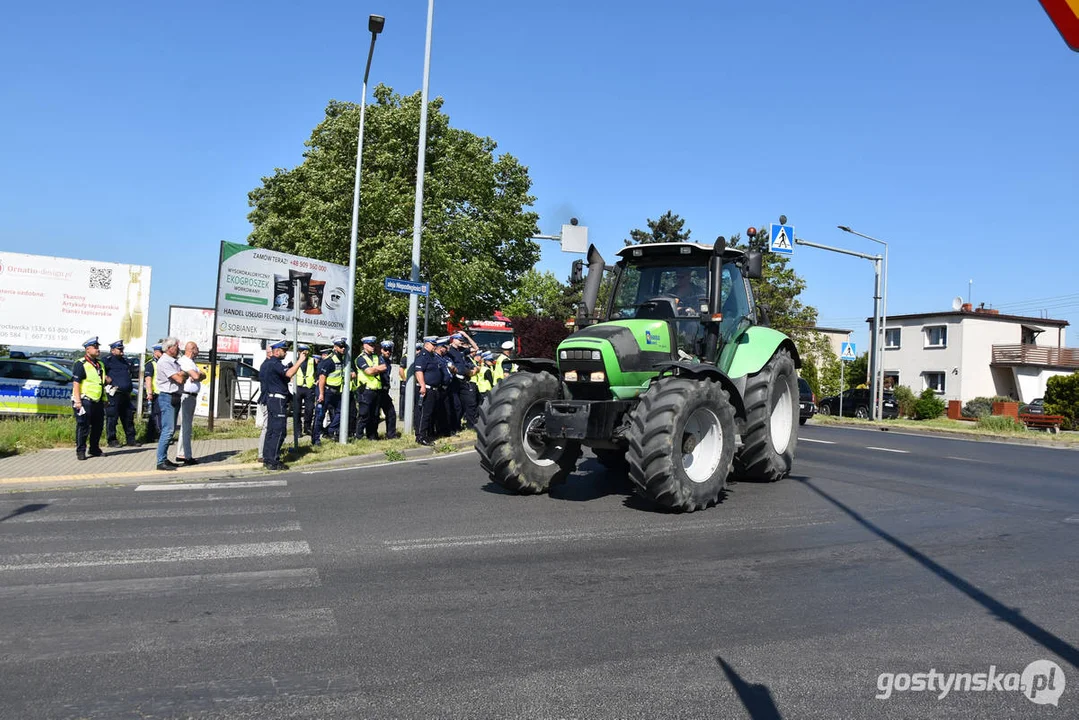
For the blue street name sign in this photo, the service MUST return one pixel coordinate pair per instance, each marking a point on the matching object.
(406, 286)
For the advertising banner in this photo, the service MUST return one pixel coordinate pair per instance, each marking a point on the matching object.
(60, 302)
(192, 324)
(255, 295)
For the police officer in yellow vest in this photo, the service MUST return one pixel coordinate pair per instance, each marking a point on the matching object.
(369, 369)
(484, 379)
(88, 399)
(502, 365)
(306, 391)
(331, 377)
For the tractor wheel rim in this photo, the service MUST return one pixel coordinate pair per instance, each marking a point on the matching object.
(704, 429)
(782, 420)
(540, 450)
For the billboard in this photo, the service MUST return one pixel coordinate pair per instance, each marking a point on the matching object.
(60, 302)
(197, 324)
(255, 295)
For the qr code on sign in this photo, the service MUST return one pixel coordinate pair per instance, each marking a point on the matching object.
(100, 278)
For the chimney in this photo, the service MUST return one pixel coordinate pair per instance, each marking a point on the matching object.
(967, 307)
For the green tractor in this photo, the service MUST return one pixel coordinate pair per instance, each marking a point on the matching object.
(663, 387)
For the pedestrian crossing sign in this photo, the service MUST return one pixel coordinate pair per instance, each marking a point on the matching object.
(847, 352)
(782, 239)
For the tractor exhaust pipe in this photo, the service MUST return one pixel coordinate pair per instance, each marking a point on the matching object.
(715, 297)
(596, 265)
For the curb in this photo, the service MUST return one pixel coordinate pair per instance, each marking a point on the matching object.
(232, 470)
(937, 432)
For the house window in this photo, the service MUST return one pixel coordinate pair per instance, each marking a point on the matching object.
(891, 338)
(934, 381)
(891, 379)
(936, 336)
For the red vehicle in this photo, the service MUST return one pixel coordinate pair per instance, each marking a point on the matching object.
(487, 334)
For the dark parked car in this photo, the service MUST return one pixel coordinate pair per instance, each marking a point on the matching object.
(1036, 407)
(859, 403)
(807, 402)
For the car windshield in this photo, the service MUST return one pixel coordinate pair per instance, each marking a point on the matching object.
(490, 339)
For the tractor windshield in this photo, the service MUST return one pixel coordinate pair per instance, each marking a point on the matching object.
(679, 293)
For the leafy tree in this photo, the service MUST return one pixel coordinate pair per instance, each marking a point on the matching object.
(668, 228)
(811, 375)
(4, 350)
(829, 372)
(778, 291)
(539, 336)
(1062, 398)
(476, 226)
(539, 293)
(857, 372)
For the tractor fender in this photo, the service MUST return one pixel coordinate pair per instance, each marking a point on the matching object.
(755, 347)
(711, 372)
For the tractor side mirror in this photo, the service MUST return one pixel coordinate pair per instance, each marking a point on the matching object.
(762, 316)
(754, 265)
(577, 272)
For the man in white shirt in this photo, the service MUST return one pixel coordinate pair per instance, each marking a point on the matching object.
(188, 401)
(169, 382)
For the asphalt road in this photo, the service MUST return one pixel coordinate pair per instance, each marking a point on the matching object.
(419, 590)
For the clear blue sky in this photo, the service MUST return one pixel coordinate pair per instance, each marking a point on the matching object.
(132, 132)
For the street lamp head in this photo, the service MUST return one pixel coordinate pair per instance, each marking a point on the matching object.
(844, 228)
(375, 23)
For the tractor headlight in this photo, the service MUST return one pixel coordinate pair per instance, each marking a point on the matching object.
(571, 376)
(563, 355)
(597, 376)
(596, 355)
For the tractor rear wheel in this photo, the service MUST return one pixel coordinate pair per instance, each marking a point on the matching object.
(512, 446)
(681, 443)
(770, 434)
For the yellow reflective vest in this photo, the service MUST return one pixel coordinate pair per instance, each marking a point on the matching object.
(371, 382)
(336, 378)
(93, 386)
(483, 385)
(307, 379)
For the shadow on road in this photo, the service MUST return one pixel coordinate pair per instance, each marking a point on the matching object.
(1009, 615)
(32, 507)
(756, 698)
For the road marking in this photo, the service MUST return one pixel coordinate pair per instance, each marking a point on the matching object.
(200, 584)
(211, 485)
(161, 531)
(80, 516)
(822, 442)
(892, 450)
(193, 553)
(963, 459)
(188, 469)
(385, 464)
(1072, 519)
(540, 536)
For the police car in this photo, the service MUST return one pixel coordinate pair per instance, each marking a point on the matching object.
(31, 386)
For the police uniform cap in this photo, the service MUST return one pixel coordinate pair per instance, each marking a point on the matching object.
(430, 338)
(326, 351)
(419, 345)
(340, 342)
(118, 344)
(444, 340)
(369, 340)
(508, 345)
(488, 355)
(457, 336)
(91, 342)
(282, 345)
(387, 344)
(157, 347)
(303, 347)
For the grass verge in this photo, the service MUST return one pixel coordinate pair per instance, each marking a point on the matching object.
(964, 427)
(392, 450)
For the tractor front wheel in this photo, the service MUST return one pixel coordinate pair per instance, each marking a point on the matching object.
(681, 443)
(510, 438)
(770, 434)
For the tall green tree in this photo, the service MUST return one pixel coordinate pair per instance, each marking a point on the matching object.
(668, 228)
(539, 293)
(778, 292)
(476, 221)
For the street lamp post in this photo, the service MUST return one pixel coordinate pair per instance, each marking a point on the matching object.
(375, 23)
(417, 223)
(878, 396)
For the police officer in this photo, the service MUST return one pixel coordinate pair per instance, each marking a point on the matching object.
(502, 364)
(385, 402)
(88, 399)
(305, 390)
(273, 381)
(429, 378)
(331, 377)
(483, 377)
(445, 411)
(369, 369)
(149, 372)
(119, 408)
(462, 390)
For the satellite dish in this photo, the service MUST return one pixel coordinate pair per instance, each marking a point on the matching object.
(957, 303)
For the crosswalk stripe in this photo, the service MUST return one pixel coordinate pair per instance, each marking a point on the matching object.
(207, 583)
(173, 631)
(194, 553)
(211, 485)
(161, 531)
(80, 516)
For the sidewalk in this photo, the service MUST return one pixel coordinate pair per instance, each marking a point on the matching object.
(216, 457)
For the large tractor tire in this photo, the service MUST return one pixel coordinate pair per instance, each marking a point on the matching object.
(681, 443)
(770, 434)
(509, 437)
